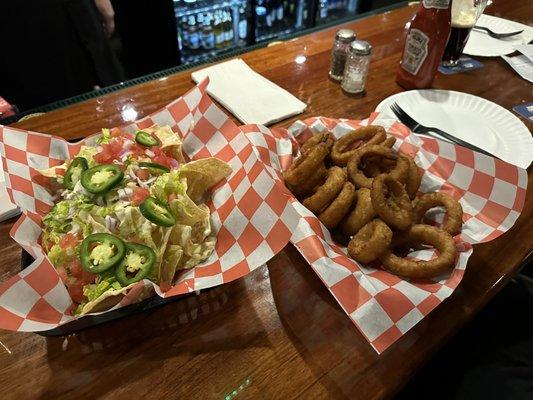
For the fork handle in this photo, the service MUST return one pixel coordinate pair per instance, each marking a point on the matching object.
(460, 142)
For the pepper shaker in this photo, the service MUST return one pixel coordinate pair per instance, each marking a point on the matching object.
(356, 69)
(343, 38)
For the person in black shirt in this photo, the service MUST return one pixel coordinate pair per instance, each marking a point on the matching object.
(55, 49)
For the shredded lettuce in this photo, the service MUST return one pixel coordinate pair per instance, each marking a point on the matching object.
(166, 184)
(105, 137)
(57, 255)
(88, 152)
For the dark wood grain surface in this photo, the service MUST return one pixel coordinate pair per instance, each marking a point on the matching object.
(276, 333)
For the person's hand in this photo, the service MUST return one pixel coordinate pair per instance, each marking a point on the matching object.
(107, 14)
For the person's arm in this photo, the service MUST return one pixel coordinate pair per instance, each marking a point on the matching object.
(108, 15)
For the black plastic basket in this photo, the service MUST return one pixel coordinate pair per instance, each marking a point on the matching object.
(93, 320)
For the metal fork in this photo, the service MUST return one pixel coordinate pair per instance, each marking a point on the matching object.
(416, 127)
(497, 35)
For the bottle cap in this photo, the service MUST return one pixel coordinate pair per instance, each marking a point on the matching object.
(345, 35)
(360, 47)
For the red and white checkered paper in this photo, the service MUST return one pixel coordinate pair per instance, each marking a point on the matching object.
(251, 210)
(382, 305)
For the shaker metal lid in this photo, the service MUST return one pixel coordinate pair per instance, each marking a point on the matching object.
(361, 47)
(345, 35)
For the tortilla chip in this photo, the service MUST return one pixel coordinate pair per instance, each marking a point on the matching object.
(52, 172)
(107, 300)
(170, 141)
(172, 256)
(203, 175)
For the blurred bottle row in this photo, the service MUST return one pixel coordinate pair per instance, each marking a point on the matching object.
(206, 28)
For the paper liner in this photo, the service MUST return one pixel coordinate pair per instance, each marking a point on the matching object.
(382, 305)
(251, 210)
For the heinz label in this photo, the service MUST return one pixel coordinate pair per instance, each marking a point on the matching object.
(440, 4)
(415, 52)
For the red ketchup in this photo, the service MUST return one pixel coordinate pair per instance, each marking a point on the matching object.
(425, 41)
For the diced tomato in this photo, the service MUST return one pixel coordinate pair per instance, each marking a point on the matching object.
(87, 277)
(62, 274)
(139, 195)
(68, 241)
(162, 158)
(137, 149)
(75, 268)
(110, 151)
(142, 173)
(115, 132)
(172, 196)
(76, 292)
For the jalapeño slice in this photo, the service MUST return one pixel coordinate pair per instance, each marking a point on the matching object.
(157, 212)
(145, 139)
(136, 265)
(154, 168)
(74, 172)
(101, 251)
(101, 178)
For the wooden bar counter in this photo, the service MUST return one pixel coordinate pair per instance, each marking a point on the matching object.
(277, 333)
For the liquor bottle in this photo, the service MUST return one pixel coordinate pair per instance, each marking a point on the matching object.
(184, 33)
(272, 12)
(194, 36)
(323, 9)
(208, 36)
(300, 20)
(291, 11)
(228, 29)
(242, 29)
(261, 23)
(425, 41)
(219, 30)
(279, 15)
(200, 21)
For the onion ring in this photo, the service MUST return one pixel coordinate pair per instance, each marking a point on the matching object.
(324, 137)
(357, 176)
(391, 202)
(389, 142)
(361, 215)
(454, 210)
(372, 134)
(370, 242)
(413, 180)
(410, 268)
(312, 182)
(336, 211)
(306, 165)
(327, 192)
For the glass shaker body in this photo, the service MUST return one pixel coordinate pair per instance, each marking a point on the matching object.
(339, 52)
(356, 68)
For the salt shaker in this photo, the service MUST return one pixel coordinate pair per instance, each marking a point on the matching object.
(356, 69)
(343, 38)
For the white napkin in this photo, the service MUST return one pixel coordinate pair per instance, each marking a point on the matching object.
(7, 209)
(481, 44)
(249, 96)
(522, 64)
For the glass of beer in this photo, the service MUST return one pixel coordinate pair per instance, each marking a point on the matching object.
(465, 14)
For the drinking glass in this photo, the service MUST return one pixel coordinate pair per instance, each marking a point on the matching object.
(465, 14)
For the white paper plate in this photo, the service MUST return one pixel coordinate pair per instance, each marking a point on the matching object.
(471, 118)
(481, 44)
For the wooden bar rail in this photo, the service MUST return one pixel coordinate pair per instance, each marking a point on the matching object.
(276, 333)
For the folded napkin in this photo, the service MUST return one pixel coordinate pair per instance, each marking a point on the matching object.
(523, 63)
(7, 209)
(252, 98)
(483, 45)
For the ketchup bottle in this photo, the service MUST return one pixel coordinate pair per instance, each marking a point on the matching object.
(425, 42)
